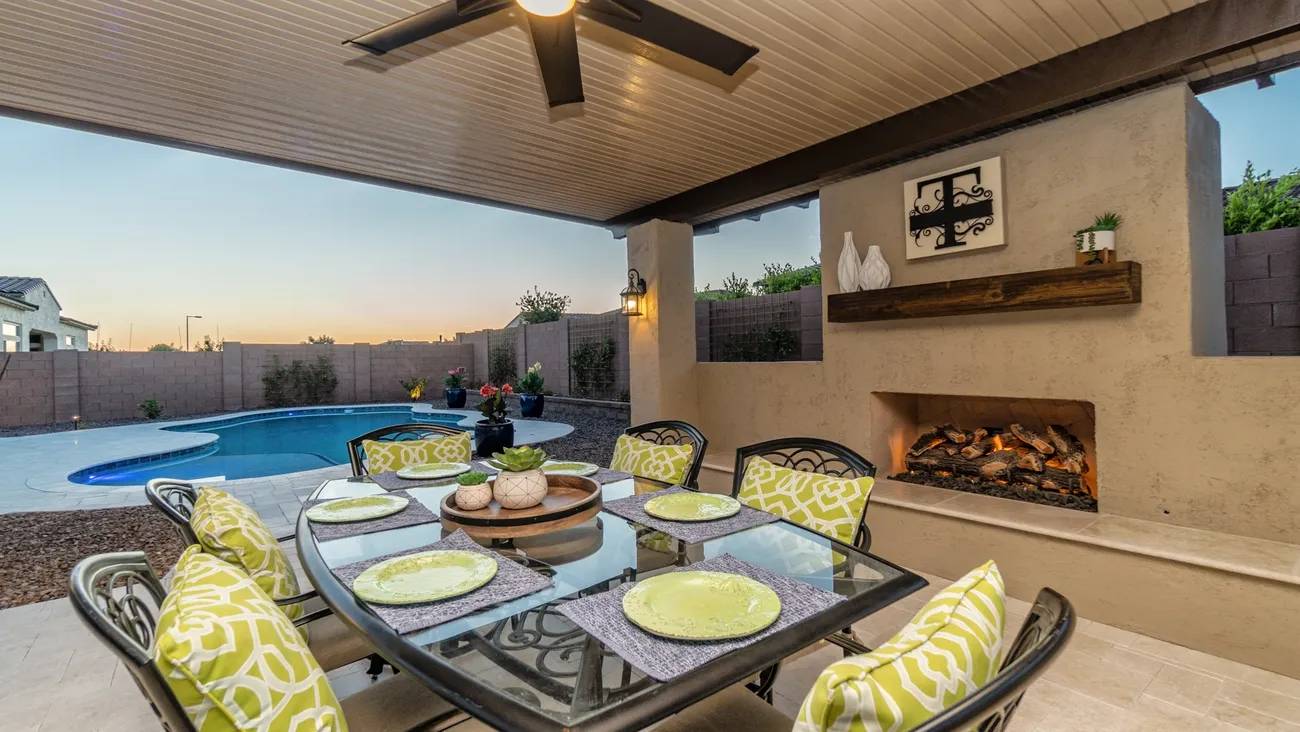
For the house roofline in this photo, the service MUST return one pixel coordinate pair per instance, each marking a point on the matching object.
(17, 303)
(77, 323)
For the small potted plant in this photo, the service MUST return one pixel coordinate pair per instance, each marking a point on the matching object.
(1096, 244)
(532, 400)
(455, 387)
(521, 482)
(415, 387)
(472, 491)
(494, 432)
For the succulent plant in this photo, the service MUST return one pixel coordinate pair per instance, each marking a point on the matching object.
(518, 459)
(473, 477)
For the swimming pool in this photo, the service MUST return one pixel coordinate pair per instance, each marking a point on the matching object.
(257, 445)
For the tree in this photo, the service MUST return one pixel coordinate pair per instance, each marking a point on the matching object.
(733, 288)
(1261, 203)
(786, 278)
(543, 307)
(208, 345)
(162, 347)
(321, 340)
(104, 346)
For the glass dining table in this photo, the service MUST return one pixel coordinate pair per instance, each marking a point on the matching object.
(521, 665)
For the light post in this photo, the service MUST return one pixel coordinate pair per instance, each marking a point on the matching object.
(188, 318)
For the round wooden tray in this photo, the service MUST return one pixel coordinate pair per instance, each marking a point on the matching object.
(570, 501)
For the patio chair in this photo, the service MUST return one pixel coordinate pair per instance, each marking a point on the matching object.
(119, 598)
(332, 642)
(989, 708)
(394, 433)
(811, 455)
(675, 432)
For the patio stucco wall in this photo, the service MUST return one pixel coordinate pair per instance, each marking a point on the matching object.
(1204, 441)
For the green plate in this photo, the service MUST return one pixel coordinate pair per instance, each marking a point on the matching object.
(425, 577)
(692, 507)
(699, 606)
(359, 508)
(580, 469)
(432, 471)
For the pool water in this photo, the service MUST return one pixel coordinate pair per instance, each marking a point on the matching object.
(258, 445)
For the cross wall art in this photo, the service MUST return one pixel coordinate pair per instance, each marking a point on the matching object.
(955, 211)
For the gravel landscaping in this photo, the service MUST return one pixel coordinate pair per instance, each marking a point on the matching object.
(41, 548)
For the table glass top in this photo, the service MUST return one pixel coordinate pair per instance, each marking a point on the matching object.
(536, 655)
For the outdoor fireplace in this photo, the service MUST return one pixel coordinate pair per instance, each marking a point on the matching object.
(1036, 450)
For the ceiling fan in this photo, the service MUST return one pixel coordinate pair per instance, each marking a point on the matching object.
(551, 24)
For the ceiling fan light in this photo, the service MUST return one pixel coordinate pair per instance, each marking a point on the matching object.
(546, 8)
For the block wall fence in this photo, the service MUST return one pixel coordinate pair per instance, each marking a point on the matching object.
(52, 387)
(1263, 295)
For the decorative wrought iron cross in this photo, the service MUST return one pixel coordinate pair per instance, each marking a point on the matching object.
(956, 205)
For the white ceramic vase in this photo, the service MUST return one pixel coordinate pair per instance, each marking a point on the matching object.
(874, 273)
(848, 267)
(520, 490)
(473, 497)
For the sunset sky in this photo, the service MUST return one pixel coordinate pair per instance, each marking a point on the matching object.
(135, 236)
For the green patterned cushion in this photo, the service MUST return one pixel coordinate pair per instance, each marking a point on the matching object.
(234, 532)
(824, 503)
(950, 649)
(643, 458)
(386, 456)
(233, 660)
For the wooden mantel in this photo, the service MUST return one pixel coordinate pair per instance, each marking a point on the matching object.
(1117, 283)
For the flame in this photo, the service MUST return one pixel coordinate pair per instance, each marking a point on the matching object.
(997, 442)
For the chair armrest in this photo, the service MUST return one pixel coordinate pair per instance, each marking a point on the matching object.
(312, 617)
(286, 537)
(302, 597)
(848, 643)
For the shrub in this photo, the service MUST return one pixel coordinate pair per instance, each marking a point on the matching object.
(320, 340)
(592, 364)
(207, 345)
(542, 307)
(151, 408)
(733, 288)
(415, 386)
(776, 343)
(455, 378)
(786, 278)
(1262, 204)
(162, 347)
(501, 362)
(299, 383)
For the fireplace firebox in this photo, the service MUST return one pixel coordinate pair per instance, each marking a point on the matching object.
(1036, 450)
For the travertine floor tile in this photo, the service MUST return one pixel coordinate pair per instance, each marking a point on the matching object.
(1185, 688)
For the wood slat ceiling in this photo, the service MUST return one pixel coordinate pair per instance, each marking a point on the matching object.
(464, 112)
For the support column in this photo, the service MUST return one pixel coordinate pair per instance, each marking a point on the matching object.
(232, 376)
(67, 385)
(661, 342)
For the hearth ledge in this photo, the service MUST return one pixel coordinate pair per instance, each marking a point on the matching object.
(1270, 560)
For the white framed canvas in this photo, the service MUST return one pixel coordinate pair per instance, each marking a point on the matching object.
(954, 210)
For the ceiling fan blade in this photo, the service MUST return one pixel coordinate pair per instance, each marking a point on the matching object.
(667, 29)
(426, 23)
(555, 40)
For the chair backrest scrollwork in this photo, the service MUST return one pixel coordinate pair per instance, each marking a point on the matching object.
(394, 433)
(119, 597)
(675, 432)
(175, 498)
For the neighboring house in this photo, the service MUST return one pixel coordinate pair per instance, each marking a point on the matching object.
(31, 319)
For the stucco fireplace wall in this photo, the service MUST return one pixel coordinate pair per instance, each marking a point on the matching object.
(1190, 436)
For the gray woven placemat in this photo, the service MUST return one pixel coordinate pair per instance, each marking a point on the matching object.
(632, 508)
(414, 514)
(511, 581)
(390, 482)
(664, 659)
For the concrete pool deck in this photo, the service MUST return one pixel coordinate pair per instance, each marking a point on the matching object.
(34, 469)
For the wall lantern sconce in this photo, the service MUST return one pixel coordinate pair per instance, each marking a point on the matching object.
(76, 421)
(633, 295)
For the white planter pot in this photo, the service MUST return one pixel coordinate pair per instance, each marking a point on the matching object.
(520, 490)
(874, 273)
(473, 497)
(847, 271)
(1097, 240)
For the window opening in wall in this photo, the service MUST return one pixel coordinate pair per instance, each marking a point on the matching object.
(10, 337)
(758, 287)
(1261, 177)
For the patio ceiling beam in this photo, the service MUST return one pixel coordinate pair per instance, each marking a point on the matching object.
(1141, 57)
